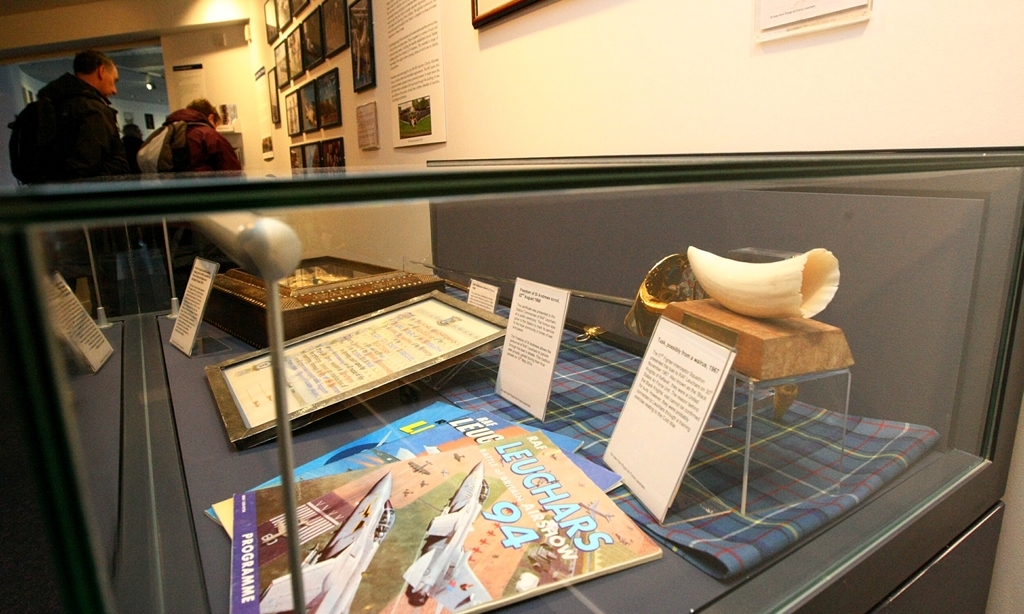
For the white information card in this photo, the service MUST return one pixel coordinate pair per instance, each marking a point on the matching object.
(532, 340)
(193, 304)
(675, 389)
(484, 296)
(74, 325)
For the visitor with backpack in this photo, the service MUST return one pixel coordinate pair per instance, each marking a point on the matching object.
(189, 142)
(71, 132)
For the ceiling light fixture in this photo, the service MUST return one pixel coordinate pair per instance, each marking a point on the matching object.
(149, 84)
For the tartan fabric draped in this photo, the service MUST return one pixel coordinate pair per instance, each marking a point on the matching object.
(801, 474)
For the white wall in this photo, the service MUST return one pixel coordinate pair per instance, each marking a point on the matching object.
(224, 54)
(608, 77)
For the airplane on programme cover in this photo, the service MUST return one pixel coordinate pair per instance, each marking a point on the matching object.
(442, 571)
(418, 468)
(332, 575)
(592, 508)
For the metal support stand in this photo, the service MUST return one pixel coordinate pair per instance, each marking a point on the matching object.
(101, 313)
(170, 274)
(275, 332)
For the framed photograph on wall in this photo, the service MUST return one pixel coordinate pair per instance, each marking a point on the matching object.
(298, 5)
(312, 40)
(311, 155)
(275, 101)
(295, 154)
(270, 16)
(364, 69)
(295, 67)
(332, 153)
(328, 97)
(335, 17)
(309, 119)
(486, 11)
(281, 64)
(291, 112)
(284, 14)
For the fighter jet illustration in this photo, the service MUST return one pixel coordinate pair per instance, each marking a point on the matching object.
(442, 571)
(592, 508)
(458, 457)
(332, 575)
(418, 468)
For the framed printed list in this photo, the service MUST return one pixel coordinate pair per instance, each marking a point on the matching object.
(409, 341)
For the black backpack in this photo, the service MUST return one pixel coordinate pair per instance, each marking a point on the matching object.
(37, 145)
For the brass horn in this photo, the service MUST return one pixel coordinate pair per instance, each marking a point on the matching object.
(670, 280)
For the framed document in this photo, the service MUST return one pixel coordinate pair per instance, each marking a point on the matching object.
(295, 67)
(311, 155)
(295, 151)
(284, 14)
(275, 101)
(270, 16)
(486, 11)
(335, 26)
(338, 367)
(332, 153)
(291, 111)
(281, 64)
(364, 65)
(328, 96)
(312, 40)
(309, 117)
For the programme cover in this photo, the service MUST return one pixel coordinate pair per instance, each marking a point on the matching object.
(477, 528)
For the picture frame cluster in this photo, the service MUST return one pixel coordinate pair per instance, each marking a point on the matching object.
(304, 36)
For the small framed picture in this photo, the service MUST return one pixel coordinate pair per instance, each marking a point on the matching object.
(275, 104)
(364, 69)
(312, 40)
(295, 67)
(284, 14)
(311, 155)
(270, 16)
(150, 123)
(281, 64)
(291, 111)
(295, 154)
(335, 16)
(328, 97)
(298, 5)
(309, 119)
(414, 118)
(332, 153)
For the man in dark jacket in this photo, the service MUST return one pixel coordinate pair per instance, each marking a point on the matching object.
(208, 150)
(92, 143)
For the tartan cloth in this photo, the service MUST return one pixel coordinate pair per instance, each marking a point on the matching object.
(800, 478)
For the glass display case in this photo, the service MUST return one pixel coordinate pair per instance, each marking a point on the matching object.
(121, 464)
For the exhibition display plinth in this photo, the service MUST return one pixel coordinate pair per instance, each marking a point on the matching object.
(779, 363)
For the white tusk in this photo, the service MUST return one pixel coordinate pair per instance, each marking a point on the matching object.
(801, 286)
